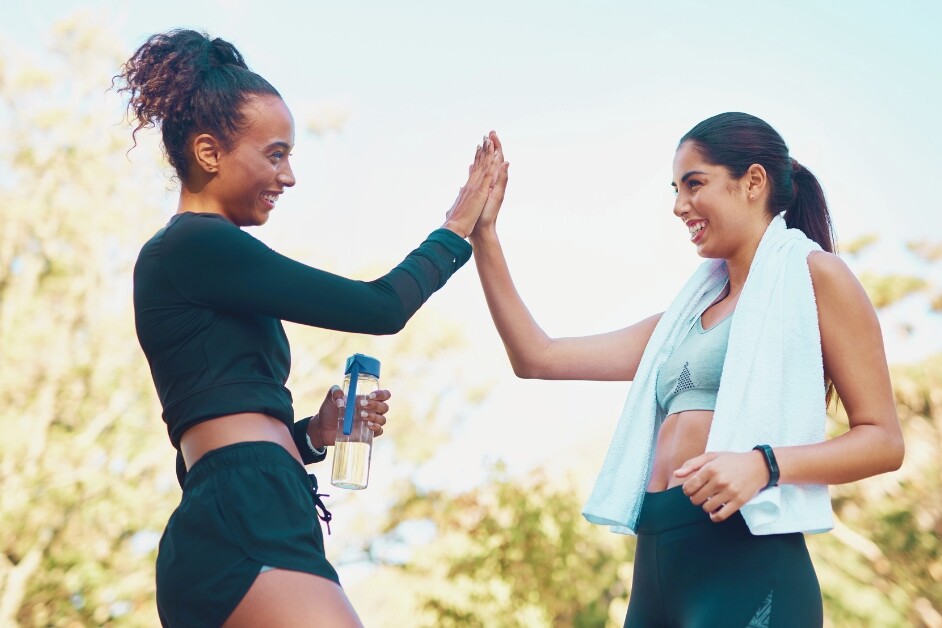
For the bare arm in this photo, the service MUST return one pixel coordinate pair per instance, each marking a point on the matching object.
(855, 361)
(612, 356)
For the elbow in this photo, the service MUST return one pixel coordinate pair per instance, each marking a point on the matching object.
(391, 327)
(896, 451)
(522, 372)
(524, 369)
(888, 453)
(393, 322)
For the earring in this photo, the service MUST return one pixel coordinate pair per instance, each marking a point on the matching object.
(752, 197)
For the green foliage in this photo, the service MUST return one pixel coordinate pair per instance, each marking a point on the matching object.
(517, 553)
(885, 290)
(926, 251)
(87, 477)
(854, 247)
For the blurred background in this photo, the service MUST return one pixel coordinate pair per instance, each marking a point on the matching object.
(472, 514)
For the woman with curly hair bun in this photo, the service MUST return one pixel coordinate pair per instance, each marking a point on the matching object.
(245, 547)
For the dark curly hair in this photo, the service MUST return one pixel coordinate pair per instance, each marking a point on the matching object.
(738, 140)
(186, 83)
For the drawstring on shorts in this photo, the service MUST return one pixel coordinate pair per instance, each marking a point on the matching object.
(322, 513)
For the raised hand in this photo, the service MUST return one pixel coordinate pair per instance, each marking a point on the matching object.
(498, 187)
(472, 197)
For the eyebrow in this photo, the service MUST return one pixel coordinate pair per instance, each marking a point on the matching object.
(687, 176)
(279, 144)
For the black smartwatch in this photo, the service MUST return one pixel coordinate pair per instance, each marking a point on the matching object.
(771, 463)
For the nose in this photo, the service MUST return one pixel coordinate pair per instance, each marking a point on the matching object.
(681, 207)
(286, 175)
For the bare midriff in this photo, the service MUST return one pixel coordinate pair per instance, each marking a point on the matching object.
(204, 437)
(682, 436)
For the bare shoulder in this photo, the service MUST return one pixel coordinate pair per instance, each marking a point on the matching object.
(835, 285)
(828, 267)
(829, 273)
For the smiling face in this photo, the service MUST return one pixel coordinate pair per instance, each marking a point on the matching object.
(715, 208)
(253, 174)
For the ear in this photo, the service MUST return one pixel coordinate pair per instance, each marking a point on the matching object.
(756, 181)
(206, 153)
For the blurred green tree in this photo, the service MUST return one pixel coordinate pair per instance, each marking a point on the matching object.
(83, 460)
(514, 552)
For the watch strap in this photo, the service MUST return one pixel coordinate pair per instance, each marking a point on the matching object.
(771, 463)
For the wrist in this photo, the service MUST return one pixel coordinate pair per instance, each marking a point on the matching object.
(483, 235)
(771, 464)
(314, 437)
(456, 227)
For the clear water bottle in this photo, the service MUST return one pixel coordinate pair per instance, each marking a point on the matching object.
(354, 442)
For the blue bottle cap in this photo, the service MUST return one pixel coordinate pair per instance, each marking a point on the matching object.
(356, 364)
(365, 364)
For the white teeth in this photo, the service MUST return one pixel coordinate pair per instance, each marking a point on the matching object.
(271, 198)
(697, 228)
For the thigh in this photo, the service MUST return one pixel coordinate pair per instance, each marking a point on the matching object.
(646, 603)
(738, 580)
(279, 597)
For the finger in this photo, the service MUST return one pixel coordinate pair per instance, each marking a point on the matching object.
(711, 504)
(482, 162)
(693, 465)
(499, 184)
(337, 394)
(698, 489)
(476, 162)
(381, 395)
(490, 172)
(724, 512)
(376, 429)
(474, 174)
(496, 140)
(373, 418)
(379, 407)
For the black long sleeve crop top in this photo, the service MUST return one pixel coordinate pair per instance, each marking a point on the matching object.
(209, 300)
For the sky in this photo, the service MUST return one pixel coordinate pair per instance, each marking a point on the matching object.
(589, 99)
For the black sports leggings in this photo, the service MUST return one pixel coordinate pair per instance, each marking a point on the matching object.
(693, 573)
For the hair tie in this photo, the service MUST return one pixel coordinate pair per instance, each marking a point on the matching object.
(796, 167)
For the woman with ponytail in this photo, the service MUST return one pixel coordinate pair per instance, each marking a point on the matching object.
(719, 463)
(245, 547)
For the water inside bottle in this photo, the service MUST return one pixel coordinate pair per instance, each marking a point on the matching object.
(351, 465)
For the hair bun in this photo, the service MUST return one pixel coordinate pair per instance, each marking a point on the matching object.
(221, 52)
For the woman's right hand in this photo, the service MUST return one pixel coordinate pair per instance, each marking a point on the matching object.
(495, 199)
(472, 197)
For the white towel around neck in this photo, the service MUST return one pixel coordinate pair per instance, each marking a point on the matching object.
(771, 391)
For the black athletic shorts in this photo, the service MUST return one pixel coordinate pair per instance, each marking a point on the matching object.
(244, 507)
(690, 572)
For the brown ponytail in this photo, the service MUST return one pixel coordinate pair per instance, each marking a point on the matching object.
(809, 210)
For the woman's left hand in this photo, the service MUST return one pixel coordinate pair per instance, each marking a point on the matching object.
(323, 427)
(721, 482)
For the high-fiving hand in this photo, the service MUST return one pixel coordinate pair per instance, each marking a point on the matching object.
(472, 197)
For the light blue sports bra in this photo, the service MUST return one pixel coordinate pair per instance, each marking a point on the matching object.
(690, 378)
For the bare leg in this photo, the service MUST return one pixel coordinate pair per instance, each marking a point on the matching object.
(291, 598)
